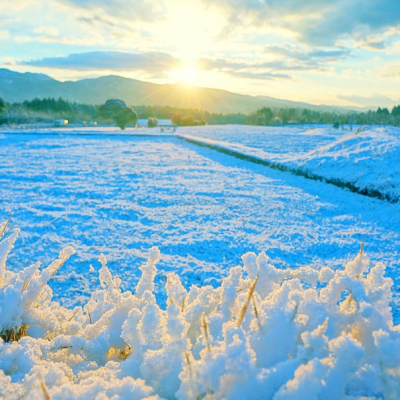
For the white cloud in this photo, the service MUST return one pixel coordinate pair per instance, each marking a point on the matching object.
(391, 71)
(155, 64)
(268, 70)
(4, 35)
(317, 22)
(61, 40)
(137, 10)
(50, 31)
(373, 43)
(16, 6)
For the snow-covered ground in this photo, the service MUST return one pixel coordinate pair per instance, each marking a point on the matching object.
(367, 158)
(307, 332)
(121, 195)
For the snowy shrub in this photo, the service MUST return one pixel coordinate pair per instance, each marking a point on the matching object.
(265, 333)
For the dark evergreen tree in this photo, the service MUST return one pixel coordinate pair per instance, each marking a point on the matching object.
(396, 111)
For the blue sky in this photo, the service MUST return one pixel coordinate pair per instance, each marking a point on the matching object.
(321, 51)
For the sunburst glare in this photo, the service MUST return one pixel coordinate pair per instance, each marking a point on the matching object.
(188, 74)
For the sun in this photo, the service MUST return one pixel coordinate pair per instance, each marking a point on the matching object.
(188, 74)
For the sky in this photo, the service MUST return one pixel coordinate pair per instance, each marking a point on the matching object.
(337, 52)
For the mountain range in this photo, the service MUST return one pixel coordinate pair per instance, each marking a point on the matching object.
(18, 87)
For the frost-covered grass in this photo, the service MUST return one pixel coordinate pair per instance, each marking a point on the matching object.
(264, 333)
(366, 158)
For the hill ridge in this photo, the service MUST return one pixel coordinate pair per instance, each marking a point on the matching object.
(18, 87)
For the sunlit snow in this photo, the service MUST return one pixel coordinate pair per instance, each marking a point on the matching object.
(318, 324)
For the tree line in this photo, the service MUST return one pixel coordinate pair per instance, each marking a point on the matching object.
(46, 110)
(284, 116)
(50, 109)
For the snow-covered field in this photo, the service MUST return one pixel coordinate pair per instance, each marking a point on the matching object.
(307, 332)
(367, 158)
(121, 195)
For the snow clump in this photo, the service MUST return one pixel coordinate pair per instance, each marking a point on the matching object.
(265, 333)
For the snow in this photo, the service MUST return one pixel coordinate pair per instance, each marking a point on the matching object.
(120, 195)
(366, 158)
(285, 334)
(164, 322)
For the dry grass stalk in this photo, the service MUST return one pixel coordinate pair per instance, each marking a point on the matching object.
(5, 225)
(13, 335)
(73, 315)
(204, 322)
(188, 361)
(183, 305)
(241, 289)
(246, 303)
(44, 390)
(362, 246)
(256, 312)
(28, 281)
(90, 317)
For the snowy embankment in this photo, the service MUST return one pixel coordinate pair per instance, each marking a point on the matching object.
(363, 160)
(265, 333)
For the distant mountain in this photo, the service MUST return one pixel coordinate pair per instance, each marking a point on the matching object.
(18, 87)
